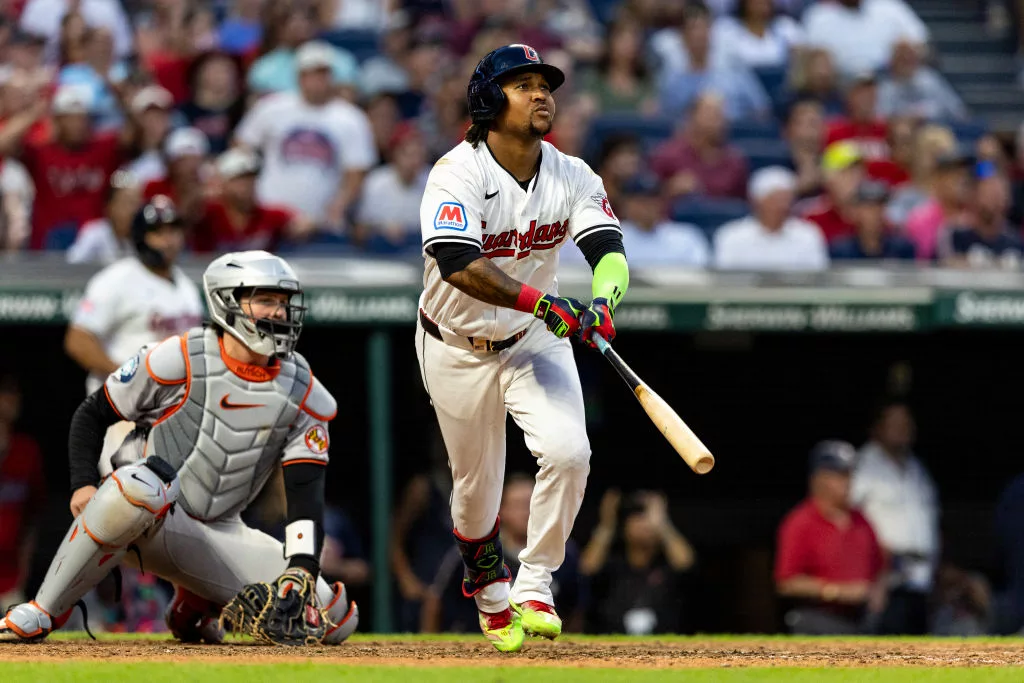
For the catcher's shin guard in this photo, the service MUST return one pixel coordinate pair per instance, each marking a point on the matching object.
(131, 500)
(343, 613)
(484, 561)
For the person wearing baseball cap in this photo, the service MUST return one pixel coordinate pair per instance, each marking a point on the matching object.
(316, 147)
(860, 124)
(950, 194)
(874, 238)
(829, 565)
(237, 221)
(770, 238)
(842, 167)
(152, 109)
(70, 172)
(185, 151)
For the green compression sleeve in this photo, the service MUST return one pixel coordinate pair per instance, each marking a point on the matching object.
(611, 278)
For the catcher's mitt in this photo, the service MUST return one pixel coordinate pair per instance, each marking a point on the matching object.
(283, 613)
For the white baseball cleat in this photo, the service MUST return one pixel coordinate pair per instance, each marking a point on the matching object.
(26, 623)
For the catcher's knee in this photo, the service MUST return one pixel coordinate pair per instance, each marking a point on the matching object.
(131, 500)
(128, 503)
(343, 613)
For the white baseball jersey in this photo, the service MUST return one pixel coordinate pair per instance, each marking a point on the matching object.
(127, 306)
(471, 199)
(306, 149)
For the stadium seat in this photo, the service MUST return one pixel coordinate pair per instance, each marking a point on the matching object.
(605, 10)
(60, 238)
(362, 44)
(708, 213)
(650, 131)
(762, 153)
(773, 78)
(967, 132)
(754, 130)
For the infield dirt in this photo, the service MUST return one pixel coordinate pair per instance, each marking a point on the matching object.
(691, 653)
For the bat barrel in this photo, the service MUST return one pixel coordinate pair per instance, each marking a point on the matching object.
(668, 422)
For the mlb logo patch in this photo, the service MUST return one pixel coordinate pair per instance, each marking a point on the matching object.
(128, 370)
(451, 216)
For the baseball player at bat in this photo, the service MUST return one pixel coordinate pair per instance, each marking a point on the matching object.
(493, 333)
(216, 410)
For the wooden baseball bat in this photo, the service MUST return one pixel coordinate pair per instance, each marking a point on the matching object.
(668, 422)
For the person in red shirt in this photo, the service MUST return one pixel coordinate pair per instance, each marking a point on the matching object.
(828, 561)
(70, 172)
(832, 211)
(236, 221)
(185, 152)
(22, 493)
(876, 139)
(860, 125)
(699, 160)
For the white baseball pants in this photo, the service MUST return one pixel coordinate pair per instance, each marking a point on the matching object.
(535, 381)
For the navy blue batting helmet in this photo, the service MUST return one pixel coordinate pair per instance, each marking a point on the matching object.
(485, 96)
(157, 212)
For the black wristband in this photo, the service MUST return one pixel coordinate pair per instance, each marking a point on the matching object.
(85, 438)
(304, 490)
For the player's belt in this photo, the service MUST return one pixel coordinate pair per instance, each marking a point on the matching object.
(478, 344)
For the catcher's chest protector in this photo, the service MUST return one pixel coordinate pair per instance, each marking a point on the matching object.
(227, 436)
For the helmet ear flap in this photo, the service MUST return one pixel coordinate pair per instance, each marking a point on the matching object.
(485, 100)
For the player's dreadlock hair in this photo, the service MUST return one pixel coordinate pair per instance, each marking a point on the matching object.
(477, 133)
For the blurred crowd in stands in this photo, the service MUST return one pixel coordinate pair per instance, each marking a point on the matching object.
(741, 134)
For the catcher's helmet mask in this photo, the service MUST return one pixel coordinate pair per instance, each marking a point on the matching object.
(485, 96)
(234, 276)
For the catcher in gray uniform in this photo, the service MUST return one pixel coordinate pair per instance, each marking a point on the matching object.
(217, 410)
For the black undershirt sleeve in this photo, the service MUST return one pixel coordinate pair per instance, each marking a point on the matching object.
(304, 491)
(595, 245)
(85, 438)
(454, 256)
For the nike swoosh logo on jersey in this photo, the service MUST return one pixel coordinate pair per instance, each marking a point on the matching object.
(228, 405)
(491, 195)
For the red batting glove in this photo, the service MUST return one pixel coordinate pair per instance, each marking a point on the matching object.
(597, 318)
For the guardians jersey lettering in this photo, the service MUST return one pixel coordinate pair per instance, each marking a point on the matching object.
(521, 244)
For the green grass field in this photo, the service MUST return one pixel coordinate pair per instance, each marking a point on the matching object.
(447, 659)
(104, 672)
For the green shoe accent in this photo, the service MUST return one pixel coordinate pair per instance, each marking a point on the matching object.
(506, 638)
(537, 622)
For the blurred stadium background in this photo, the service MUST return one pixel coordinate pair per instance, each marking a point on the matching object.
(877, 141)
